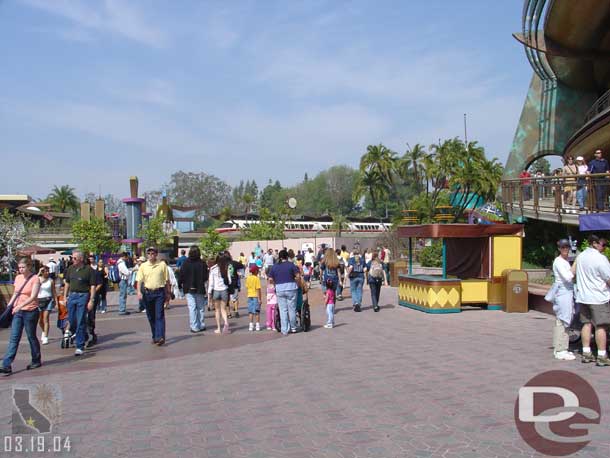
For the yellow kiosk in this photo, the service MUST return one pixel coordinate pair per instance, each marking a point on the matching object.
(477, 260)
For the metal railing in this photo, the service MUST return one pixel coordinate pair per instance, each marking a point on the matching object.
(565, 194)
(600, 106)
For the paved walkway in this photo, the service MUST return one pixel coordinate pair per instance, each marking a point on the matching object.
(398, 383)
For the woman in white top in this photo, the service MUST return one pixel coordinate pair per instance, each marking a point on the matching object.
(563, 301)
(218, 292)
(47, 298)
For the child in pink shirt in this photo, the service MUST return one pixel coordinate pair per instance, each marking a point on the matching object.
(271, 306)
(330, 304)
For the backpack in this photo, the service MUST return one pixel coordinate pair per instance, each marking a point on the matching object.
(357, 267)
(376, 270)
(113, 273)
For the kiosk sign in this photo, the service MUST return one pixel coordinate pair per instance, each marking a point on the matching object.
(556, 411)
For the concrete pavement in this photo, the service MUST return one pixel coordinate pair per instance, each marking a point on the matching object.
(398, 383)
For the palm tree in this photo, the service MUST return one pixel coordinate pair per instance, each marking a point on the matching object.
(377, 169)
(63, 198)
(412, 162)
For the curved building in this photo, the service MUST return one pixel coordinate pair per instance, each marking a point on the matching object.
(567, 108)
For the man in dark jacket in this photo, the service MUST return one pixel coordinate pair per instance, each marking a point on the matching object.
(233, 270)
(192, 281)
(600, 165)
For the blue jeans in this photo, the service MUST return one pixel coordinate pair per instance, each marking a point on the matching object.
(581, 196)
(355, 286)
(29, 321)
(196, 304)
(77, 314)
(330, 314)
(287, 303)
(375, 285)
(154, 302)
(123, 285)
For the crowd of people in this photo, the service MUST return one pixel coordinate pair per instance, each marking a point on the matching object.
(576, 185)
(581, 296)
(280, 279)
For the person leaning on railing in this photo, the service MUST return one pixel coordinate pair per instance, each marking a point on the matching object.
(581, 182)
(570, 168)
(600, 184)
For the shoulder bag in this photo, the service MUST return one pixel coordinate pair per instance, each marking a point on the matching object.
(6, 319)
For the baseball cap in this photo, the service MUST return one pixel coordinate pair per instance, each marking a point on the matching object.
(152, 248)
(564, 243)
(580, 158)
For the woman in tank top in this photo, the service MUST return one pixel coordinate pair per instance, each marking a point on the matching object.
(47, 298)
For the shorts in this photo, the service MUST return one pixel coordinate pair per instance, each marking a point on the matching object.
(220, 295)
(597, 314)
(235, 296)
(307, 278)
(46, 304)
(253, 305)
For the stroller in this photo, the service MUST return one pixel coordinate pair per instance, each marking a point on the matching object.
(303, 316)
(63, 323)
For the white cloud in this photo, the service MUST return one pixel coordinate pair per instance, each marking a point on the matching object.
(112, 16)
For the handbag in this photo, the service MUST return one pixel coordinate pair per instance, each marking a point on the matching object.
(550, 295)
(6, 319)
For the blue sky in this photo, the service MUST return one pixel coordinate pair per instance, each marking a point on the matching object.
(96, 91)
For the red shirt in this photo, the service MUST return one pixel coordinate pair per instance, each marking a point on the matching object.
(525, 174)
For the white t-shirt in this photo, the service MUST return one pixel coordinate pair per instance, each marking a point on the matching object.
(308, 257)
(52, 266)
(592, 273)
(268, 259)
(46, 289)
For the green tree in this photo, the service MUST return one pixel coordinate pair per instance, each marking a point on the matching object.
(94, 236)
(273, 196)
(541, 165)
(212, 244)
(156, 233)
(206, 192)
(63, 198)
(377, 174)
(464, 171)
(339, 223)
(269, 227)
(411, 166)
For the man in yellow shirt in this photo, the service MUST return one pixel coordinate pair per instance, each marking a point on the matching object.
(154, 291)
(253, 285)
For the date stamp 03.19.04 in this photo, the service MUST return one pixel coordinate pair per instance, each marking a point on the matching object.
(36, 412)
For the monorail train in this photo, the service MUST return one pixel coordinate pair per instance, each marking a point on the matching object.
(309, 225)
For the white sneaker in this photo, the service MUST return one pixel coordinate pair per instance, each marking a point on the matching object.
(258, 327)
(78, 352)
(328, 326)
(45, 340)
(103, 311)
(565, 356)
(251, 327)
(203, 326)
(269, 328)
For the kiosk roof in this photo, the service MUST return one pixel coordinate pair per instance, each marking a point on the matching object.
(458, 231)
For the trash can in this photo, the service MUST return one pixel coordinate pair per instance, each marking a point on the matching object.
(515, 291)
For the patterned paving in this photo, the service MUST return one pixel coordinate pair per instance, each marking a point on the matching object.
(398, 383)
